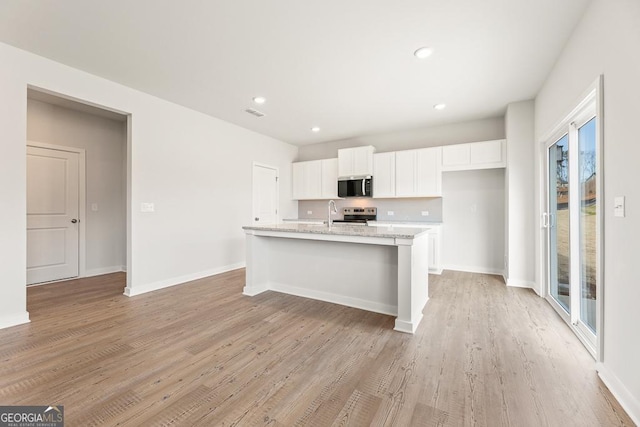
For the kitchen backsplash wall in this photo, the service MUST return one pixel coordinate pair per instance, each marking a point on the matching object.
(403, 209)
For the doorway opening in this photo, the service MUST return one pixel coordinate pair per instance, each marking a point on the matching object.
(77, 189)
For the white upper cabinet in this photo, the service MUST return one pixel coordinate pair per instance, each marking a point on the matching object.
(418, 173)
(330, 178)
(357, 161)
(477, 155)
(384, 175)
(316, 179)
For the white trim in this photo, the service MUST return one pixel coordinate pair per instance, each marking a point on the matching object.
(82, 197)
(161, 284)
(14, 320)
(517, 283)
(626, 399)
(474, 269)
(105, 270)
(334, 298)
(407, 327)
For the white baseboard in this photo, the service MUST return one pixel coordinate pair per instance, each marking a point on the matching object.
(516, 283)
(104, 270)
(407, 327)
(474, 269)
(628, 401)
(437, 271)
(7, 321)
(132, 291)
(254, 290)
(336, 299)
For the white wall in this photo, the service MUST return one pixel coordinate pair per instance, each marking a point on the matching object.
(605, 42)
(520, 184)
(195, 168)
(105, 143)
(473, 228)
(456, 133)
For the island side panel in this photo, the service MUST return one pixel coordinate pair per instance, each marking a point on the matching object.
(257, 268)
(353, 274)
(413, 282)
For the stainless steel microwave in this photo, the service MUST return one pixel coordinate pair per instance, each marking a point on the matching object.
(360, 187)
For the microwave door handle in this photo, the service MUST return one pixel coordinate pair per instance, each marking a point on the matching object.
(364, 187)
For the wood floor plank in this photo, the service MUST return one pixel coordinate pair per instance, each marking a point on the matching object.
(204, 354)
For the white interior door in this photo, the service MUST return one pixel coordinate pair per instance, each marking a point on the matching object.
(52, 214)
(265, 194)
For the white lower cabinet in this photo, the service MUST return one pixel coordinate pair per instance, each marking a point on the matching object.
(435, 241)
(315, 179)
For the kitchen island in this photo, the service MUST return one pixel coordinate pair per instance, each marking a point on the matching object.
(379, 269)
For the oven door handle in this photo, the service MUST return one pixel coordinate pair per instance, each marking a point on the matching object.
(364, 187)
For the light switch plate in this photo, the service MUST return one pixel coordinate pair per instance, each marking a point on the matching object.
(390, 213)
(425, 213)
(309, 212)
(147, 207)
(94, 207)
(618, 206)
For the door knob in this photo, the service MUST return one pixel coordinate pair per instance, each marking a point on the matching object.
(257, 219)
(73, 221)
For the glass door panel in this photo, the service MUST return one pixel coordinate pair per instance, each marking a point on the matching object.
(558, 223)
(587, 162)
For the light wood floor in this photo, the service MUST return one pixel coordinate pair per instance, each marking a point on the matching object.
(203, 354)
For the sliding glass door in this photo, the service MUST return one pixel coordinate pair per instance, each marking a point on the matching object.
(557, 220)
(572, 223)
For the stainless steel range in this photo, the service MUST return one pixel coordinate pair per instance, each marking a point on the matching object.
(358, 215)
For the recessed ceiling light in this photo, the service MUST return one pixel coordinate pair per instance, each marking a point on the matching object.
(259, 99)
(315, 129)
(440, 106)
(423, 52)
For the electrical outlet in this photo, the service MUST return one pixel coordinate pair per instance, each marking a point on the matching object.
(390, 213)
(425, 213)
(309, 212)
(94, 207)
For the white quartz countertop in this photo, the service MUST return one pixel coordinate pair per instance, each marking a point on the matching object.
(417, 224)
(341, 230)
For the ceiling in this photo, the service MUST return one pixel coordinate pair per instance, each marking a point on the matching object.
(344, 66)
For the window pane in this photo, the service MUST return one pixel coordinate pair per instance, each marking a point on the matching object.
(560, 259)
(588, 223)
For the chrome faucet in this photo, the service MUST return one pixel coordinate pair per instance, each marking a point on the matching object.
(331, 210)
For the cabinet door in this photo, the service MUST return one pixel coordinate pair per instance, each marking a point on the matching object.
(489, 153)
(455, 155)
(297, 179)
(405, 173)
(345, 162)
(330, 178)
(313, 179)
(433, 247)
(428, 172)
(384, 175)
(363, 161)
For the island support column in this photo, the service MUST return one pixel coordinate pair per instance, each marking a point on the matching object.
(413, 282)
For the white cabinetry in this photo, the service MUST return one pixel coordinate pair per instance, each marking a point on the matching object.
(477, 155)
(357, 161)
(418, 173)
(316, 179)
(435, 250)
(330, 178)
(435, 241)
(384, 175)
